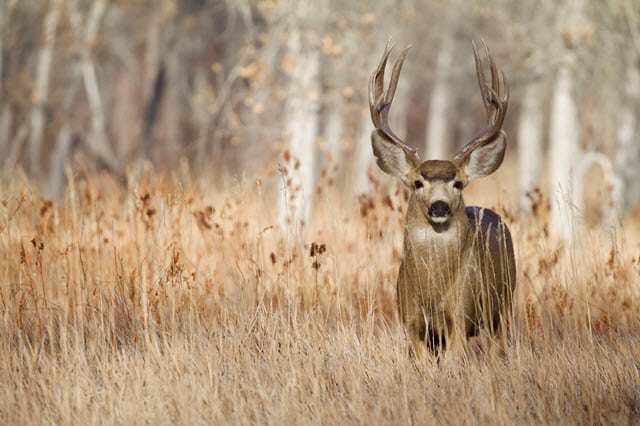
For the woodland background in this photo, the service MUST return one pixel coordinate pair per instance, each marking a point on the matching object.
(159, 158)
(276, 90)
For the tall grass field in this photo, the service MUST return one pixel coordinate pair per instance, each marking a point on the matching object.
(165, 300)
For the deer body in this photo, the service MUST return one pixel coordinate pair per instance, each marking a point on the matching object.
(446, 274)
(458, 272)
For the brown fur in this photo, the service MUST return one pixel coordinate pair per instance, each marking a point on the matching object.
(457, 277)
(458, 272)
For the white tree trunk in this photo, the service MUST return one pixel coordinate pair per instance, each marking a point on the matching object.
(564, 138)
(529, 145)
(610, 204)
(11, 160)
(3, 21)
(564, 152)
(41, 89)
(437, 124)
(627, 160)
(98, 143)
(59, 160)
(333, 131)
(300, 120)
(62, 150)
(151, 66)
(362, 155)
(6, 120)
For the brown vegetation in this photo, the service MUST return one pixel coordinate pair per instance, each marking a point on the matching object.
(163, 301)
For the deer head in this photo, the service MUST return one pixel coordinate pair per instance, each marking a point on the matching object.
(437, 184)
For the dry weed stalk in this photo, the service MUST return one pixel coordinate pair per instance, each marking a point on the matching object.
(98, 297)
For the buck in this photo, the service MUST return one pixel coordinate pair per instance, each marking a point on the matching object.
(458, 271)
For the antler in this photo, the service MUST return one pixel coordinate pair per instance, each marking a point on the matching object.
(380, 99)
(496, 108)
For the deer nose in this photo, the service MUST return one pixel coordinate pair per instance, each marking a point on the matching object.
(439, 209)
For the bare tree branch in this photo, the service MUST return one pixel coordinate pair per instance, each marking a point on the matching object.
(632, 23)
(97, 143)
(41, 91)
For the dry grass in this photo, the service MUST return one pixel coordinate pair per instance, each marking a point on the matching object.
(164, 301)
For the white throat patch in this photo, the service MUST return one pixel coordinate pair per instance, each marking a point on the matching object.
(420, 235)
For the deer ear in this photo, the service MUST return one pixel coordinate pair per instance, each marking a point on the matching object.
(485, 159)
(392, 158)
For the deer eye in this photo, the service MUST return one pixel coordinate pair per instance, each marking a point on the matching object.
(418, 184)
(457, 184)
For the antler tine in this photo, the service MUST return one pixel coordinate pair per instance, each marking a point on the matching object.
(495, 83)
(395, 75)
(495, 107)
(380, 99)
(482, 81)
(505, 100)
(387, 98)
(376, 84)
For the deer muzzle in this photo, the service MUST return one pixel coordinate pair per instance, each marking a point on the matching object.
(439, 211)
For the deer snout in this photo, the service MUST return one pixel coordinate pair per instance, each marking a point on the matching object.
(439, 209)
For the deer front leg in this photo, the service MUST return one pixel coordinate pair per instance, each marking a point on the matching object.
(416, 329)
(457, 340)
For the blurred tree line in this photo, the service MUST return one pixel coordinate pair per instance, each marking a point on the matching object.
(238, 86)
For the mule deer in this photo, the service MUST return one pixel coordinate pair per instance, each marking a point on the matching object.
(458, 271)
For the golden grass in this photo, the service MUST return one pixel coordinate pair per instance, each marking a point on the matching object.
(167, 301)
